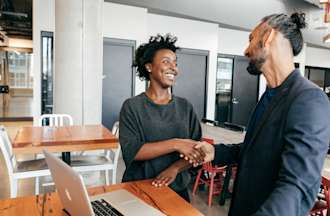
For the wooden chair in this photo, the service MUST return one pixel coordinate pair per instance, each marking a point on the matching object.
(215, 180)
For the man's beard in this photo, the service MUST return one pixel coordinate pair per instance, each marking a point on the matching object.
(255, 66)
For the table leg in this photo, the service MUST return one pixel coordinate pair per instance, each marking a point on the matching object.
(66, 157)
(225, 192)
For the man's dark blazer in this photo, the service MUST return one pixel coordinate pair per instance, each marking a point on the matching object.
(279, 168)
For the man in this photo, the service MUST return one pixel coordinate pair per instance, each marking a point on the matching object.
(280, 161)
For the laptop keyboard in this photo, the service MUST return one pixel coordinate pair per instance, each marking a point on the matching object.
(103, 208)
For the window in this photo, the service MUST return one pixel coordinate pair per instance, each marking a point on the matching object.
(20, 75)
(47, 75)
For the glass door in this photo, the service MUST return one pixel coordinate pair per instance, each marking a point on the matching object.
(223, 89)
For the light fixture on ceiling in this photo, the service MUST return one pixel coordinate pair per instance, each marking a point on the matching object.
(326, 39)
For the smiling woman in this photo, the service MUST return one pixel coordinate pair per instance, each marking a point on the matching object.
(157, 127)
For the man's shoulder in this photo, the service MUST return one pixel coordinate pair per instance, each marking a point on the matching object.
(300, 86)
(308, 95)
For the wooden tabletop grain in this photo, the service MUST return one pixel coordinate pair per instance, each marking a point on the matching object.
(49, 204)
(32, 140)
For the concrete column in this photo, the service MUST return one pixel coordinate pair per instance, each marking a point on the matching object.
(78, 59)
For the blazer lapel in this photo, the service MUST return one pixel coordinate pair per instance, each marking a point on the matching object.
(283, 92)
(268, 111)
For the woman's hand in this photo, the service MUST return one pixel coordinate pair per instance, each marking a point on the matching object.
(166, 177)
(187, 150)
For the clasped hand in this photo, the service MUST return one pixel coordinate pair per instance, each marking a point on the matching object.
(206, 151)
(193, 151)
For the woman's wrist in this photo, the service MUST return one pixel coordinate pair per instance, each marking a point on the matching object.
(175, 145)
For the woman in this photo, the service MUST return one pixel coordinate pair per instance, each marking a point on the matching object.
(157, 127)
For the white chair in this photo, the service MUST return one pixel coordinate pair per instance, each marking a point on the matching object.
(54, 120)
(20, 170)
(115, 153)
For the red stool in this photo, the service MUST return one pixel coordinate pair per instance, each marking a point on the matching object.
(216, 178)
(321, 204)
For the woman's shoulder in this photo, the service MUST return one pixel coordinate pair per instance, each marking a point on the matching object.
(182, 101)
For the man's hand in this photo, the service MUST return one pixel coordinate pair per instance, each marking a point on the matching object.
(208, 150)
(166, 177)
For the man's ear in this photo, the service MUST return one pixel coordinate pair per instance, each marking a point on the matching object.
(269, 37)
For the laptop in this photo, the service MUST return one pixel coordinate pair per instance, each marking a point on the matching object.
(76, 202)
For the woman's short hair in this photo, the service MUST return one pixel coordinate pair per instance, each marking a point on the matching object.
(290, 27)
(146, 52)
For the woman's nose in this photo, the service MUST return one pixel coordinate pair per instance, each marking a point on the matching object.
(174, 66)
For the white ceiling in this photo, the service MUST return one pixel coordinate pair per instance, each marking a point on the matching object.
(239, 14)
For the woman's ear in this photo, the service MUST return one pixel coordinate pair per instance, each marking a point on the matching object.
(148, 67)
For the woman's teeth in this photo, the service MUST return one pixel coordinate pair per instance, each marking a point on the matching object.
(170, 76)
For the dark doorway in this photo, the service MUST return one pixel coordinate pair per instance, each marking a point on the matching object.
(191, 81)
(236, 91)
(244, 92)
(118, 77)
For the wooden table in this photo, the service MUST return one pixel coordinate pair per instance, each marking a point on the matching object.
(32, 140)
(163, 199)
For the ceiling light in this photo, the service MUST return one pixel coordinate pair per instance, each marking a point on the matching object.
(326, 39)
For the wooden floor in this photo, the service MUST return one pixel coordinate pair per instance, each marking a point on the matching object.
(26, 187)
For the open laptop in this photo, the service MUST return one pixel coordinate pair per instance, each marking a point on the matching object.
(76, 202)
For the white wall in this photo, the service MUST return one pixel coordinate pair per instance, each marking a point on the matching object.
(126, 22)
(233, 42)
(194, 35)
(317, 57)
(43, 20)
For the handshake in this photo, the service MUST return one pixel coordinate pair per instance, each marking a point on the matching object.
(193, 151)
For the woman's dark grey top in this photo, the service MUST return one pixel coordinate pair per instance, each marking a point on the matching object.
(143, 121)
